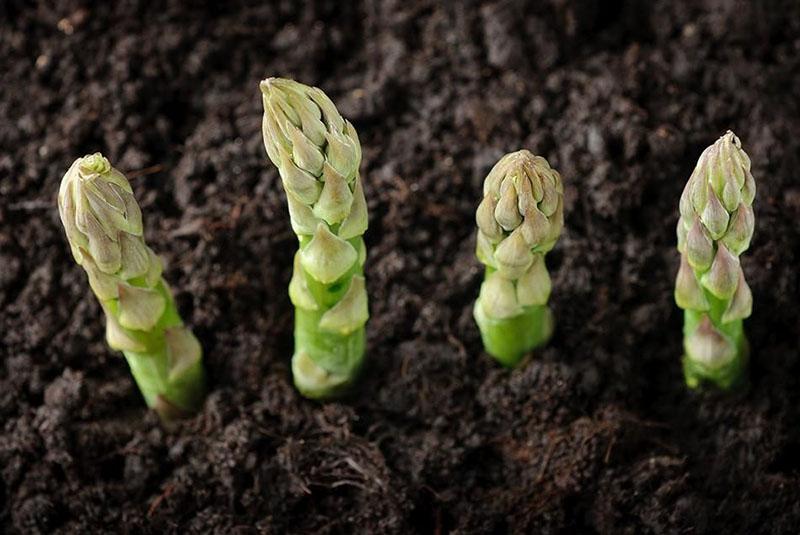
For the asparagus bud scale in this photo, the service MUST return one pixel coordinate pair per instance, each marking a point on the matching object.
(317, 154)
(103, 224)
(519, 220)
(715, 227)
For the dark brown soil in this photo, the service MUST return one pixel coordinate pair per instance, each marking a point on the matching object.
(595, 434)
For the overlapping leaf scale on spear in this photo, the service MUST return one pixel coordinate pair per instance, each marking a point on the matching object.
(519, 220)
(715, 227)
(317, 153)
(103, 224)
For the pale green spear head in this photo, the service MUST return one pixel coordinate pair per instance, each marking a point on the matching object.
(317, 153)
(103, 224)
(715, 227)
(519, 220)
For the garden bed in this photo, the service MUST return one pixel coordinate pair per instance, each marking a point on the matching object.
(596, 433)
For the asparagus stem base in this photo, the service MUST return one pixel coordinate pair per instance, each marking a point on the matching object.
(170, 398)
(728, 374)
(324, 364)
(727, 377)
(509, 339)
(171, 395)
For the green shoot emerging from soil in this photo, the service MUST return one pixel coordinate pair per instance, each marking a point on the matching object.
(317, 154)
(519, 220)
(103, 223)
(715, 227)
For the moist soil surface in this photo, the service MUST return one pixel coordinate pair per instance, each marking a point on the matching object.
(595, 433)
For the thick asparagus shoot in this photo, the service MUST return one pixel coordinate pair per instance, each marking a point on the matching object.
(519, 220)
(317, 154)
(103, 224)
(715, 227)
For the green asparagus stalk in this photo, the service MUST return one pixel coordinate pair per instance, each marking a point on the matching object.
(317, 154)
(519, 220)
(103, 224)
(715, 227)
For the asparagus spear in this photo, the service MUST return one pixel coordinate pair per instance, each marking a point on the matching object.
(103, 224)
(317, 154)
(715, 227)
(519, 220)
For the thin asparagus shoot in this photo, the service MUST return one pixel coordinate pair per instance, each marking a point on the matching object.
(519, 220)
(317, 154)
(715, 227)
(103, 224)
